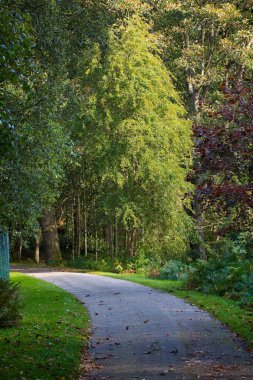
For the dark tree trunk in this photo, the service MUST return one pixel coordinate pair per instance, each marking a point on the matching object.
(73, 231)
(116, 238)
(107, 235)
(96, 244)
(85, 234)
(50, 236)
(112, 240)
(77, 226)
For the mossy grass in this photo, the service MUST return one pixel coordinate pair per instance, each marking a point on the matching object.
(47, 344)
(239, 320)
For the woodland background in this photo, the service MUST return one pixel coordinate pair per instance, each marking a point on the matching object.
(126, 137)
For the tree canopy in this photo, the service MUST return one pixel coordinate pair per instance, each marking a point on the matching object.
(126, 128)
(136, 135)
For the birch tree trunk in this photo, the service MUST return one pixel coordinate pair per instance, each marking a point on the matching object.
(20, 247)
(37, 250)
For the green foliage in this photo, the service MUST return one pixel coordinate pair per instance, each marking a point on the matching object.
(117, 265)
(138, 140)
(33, 142)
(176, 270)
(10, 304)
(48, 342)
(89, 264)
(229, 275)
(204, 42)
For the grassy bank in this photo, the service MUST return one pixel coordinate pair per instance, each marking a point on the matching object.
(48, 342)
(227, 311)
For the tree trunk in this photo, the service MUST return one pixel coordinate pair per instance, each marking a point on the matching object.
(85, 235)
(107, 236)
(112, 240)
(77, 226)
(126, 241)
(96, 244)
(37, 250)
(116, 238)
(50, 236)
(73, 230)
(194, 102)
(20, 247)
(132, 242)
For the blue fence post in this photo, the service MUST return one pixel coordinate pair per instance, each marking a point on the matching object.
(4, 256)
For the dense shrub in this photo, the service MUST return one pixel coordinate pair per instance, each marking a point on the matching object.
(176, 270)
(100, 265)
(230, 275)
(150, 267)
(87, 264)
(10, 304)
(117, 265)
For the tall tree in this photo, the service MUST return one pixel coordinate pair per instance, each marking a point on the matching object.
(33, 140)
(138, 140)
(225, 150)
(205, 41)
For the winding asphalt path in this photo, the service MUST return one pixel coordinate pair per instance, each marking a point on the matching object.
(142, 333)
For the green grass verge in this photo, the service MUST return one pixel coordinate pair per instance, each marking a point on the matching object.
(227, 311)
(48, 342)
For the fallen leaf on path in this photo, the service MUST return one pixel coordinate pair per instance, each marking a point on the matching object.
(103, 357)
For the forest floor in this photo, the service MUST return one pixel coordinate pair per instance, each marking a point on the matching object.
(144, 333)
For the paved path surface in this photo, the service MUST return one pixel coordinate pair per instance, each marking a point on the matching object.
(142, 333)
